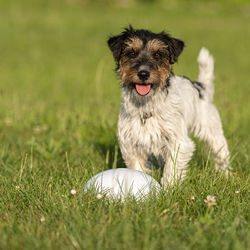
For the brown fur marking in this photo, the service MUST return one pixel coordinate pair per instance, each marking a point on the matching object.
(155, 45)
(134, 43)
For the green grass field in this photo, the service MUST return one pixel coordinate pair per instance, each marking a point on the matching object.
(59, 103)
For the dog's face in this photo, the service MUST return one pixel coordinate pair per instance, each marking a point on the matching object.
(144, 59)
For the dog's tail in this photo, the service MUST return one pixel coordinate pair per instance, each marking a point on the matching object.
(206, 74)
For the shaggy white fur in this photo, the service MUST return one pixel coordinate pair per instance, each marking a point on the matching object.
(159, 125)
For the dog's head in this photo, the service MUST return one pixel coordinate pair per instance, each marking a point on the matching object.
(144, 59)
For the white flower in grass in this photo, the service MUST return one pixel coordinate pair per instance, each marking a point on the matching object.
(42, 219)
(192, 197)
(99, 196)
(17, 187)
(73, 191)
(210, 201)
(237, 191)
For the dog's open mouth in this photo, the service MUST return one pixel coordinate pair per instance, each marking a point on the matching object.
(142, 89)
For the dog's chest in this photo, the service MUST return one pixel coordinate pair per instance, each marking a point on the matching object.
(145, 131)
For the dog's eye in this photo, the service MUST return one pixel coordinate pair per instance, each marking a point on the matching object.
(131, 53)
(157, 55)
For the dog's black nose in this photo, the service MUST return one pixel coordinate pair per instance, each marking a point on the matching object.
(143, 75)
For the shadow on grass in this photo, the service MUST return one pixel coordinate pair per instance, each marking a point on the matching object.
(112, 154)
(105, 141)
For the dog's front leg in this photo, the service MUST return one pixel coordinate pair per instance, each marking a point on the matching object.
(177, 158)
(136, 161)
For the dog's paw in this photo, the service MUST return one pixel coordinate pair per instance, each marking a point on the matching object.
(224, 169)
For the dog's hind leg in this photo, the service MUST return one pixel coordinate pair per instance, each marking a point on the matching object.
(209, 129)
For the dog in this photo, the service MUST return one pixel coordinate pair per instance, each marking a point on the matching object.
(159, 110)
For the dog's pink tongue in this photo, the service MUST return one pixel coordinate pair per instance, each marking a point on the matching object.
(143, 89)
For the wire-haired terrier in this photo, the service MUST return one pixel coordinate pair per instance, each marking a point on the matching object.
(160, 110)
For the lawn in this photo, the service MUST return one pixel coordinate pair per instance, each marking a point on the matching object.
(59, 103)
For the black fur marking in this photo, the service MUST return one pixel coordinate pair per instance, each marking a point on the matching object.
(198, 86)
(168, 84)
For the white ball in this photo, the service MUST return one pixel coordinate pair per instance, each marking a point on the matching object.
(122, 182)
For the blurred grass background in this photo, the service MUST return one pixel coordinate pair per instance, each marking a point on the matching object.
(59, 103)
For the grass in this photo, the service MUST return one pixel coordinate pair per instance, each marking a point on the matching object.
(58, 116)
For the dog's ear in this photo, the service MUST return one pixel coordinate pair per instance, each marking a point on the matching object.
(176, 46)
(115, 44)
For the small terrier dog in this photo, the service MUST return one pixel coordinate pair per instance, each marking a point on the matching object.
(160, 110)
